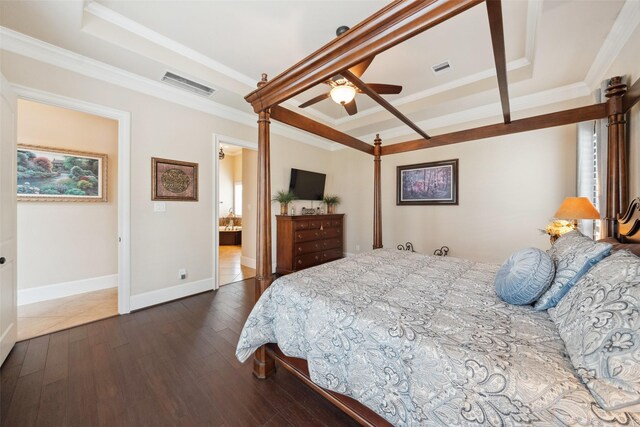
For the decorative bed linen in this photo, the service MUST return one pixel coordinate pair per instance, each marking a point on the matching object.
(424, 340)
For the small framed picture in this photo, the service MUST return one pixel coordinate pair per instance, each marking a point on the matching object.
(174, 180)
(434, 183)
(48, 174)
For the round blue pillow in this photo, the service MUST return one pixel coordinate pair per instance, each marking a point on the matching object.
(524, 276)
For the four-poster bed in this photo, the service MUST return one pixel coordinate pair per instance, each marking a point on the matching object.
(388, 27)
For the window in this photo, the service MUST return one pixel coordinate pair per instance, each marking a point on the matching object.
(589, 179)
(237, 199)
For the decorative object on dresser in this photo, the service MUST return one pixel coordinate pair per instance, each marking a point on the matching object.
(174, 180)
(284, 198)
(434, 183)
(59, 175)
(331, 201)
(304, 241)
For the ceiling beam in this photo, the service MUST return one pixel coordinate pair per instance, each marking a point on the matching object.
(560, 118)
(494, 10)
(391, 25)
(383, 102)
(631, 97)
(299, 121)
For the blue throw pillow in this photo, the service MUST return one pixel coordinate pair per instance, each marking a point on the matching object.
(573, 254)
(524, 276)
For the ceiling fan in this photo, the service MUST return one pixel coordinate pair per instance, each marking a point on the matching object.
(343, 92)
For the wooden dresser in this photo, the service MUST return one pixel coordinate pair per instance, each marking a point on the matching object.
(308, 240)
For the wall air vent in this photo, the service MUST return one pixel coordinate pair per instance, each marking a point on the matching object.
(441, 67)
(187, 84)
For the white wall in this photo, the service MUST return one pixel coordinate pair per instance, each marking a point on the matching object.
(509, 187)
(67, 241)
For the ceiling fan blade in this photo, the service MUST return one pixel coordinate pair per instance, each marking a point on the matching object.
(314, 100)
(351, 107)
(359, 69)
(385, 89)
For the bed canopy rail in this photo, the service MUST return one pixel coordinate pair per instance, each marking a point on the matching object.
(386, 28)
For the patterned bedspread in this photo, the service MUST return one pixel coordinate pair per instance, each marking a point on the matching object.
(424, 340)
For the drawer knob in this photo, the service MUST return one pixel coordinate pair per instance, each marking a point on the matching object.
(299, 261)
(316, 257)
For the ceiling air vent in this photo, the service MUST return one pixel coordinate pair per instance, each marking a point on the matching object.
(186, 84)
(441, 67)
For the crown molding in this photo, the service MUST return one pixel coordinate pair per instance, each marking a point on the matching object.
(102, 12)
(112, 17)
(538, 99)
(621, 30)
(39, 50)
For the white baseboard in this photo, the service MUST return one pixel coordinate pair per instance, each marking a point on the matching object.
(66, 289)
(169, 294)
(248, 262)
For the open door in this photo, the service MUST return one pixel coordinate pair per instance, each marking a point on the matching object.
(8, 214)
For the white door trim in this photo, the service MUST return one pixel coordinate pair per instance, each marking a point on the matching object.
(124, 176)
(217, 140)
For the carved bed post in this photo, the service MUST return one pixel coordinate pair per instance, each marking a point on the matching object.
(617, 170)
(263, 364)
(377, 204)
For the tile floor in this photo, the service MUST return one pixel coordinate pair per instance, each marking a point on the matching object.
(61, 313)
(230, 268)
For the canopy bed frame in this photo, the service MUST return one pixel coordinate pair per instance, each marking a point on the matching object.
(386, 28)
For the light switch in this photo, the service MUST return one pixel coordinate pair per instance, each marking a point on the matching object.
(159, 207)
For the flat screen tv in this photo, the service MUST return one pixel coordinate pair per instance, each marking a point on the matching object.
(307, 185)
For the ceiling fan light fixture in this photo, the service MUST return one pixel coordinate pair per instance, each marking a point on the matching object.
(343, 94)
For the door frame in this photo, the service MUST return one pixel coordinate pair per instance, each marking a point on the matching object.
(217, 141)
(124, 176)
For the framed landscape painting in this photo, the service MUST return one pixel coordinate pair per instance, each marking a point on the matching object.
(59, 175)
(174, 180)
(434, 183)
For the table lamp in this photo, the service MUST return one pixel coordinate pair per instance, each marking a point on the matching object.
(575, 208)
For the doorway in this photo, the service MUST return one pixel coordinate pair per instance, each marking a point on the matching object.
(234, 213)
(120, 165)
(67, 218)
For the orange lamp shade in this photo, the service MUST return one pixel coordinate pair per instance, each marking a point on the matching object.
(577, 208)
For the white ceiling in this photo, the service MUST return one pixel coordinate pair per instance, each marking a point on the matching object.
(551, 46)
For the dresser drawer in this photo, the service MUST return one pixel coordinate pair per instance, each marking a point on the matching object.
(336, 223)
(332, 244)
(331, 255)
(308, 247)
(308, 260)
(332, 232)
(301, 225)
(306, 235)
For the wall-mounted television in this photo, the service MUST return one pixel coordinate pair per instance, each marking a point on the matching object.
(307, 185)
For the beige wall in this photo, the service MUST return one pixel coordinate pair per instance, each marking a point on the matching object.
(509, 187)
(249, 201)
(63, 241)
(634, 152)
(225, 186)
(181, 237)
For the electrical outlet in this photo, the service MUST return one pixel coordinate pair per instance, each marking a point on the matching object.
(357, 248)
(182, 273)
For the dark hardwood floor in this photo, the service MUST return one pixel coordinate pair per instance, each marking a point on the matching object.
(169, 365)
